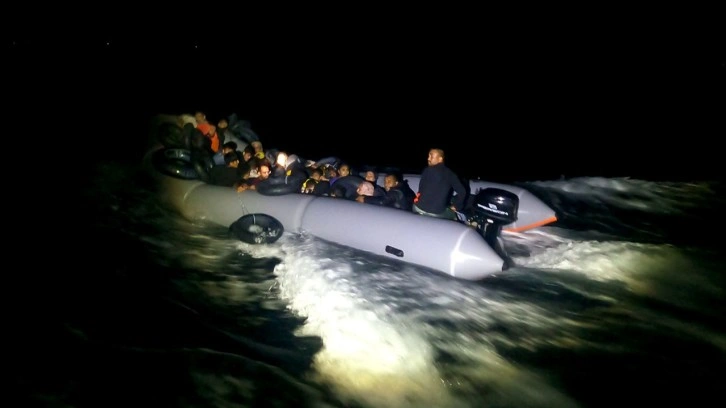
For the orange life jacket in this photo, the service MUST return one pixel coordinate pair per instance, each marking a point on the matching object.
(206, 130)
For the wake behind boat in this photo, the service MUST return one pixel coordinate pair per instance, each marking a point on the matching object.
(451, 247)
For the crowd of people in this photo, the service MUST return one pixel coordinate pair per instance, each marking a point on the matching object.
(233, 156)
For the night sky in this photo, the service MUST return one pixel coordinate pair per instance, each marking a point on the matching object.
(592, 100)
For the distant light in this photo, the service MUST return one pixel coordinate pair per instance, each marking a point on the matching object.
(108, 42)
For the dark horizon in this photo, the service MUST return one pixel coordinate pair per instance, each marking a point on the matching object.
(618, 107)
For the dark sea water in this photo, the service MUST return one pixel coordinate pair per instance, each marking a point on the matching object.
(113, 300)
(621, 301)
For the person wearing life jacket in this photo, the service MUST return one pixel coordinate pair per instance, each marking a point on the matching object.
(259, 150)
(207, 130)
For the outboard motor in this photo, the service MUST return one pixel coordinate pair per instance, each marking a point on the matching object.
(494, 208)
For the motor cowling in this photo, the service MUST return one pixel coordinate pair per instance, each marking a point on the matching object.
(492, 209)
(497, 205)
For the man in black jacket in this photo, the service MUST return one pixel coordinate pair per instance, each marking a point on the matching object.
(434, 189)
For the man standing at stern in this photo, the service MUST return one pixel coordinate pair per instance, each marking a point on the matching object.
(435, 189)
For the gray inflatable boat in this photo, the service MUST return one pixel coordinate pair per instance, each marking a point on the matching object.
(442, 245)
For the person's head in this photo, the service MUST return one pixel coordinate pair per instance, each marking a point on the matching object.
(390, 181)
(316, 174)
(247, 153)
(371, 176)
(365, 188)
(309, 185)
(229, 147)
(200, 117)
(264, 170)
(436, 156)
(257, 146)
(231, 159)
(344, 170)
(222, 124)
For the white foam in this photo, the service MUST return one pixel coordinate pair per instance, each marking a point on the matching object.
(375, 353)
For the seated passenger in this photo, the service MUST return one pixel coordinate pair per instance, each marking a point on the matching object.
(208, 130)
(227, 147)
(366, 190)
(398, 193)
(252, 182)
(372, 176)
(259, 151)
(315, 184)
(226, 175)
(346, 186)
